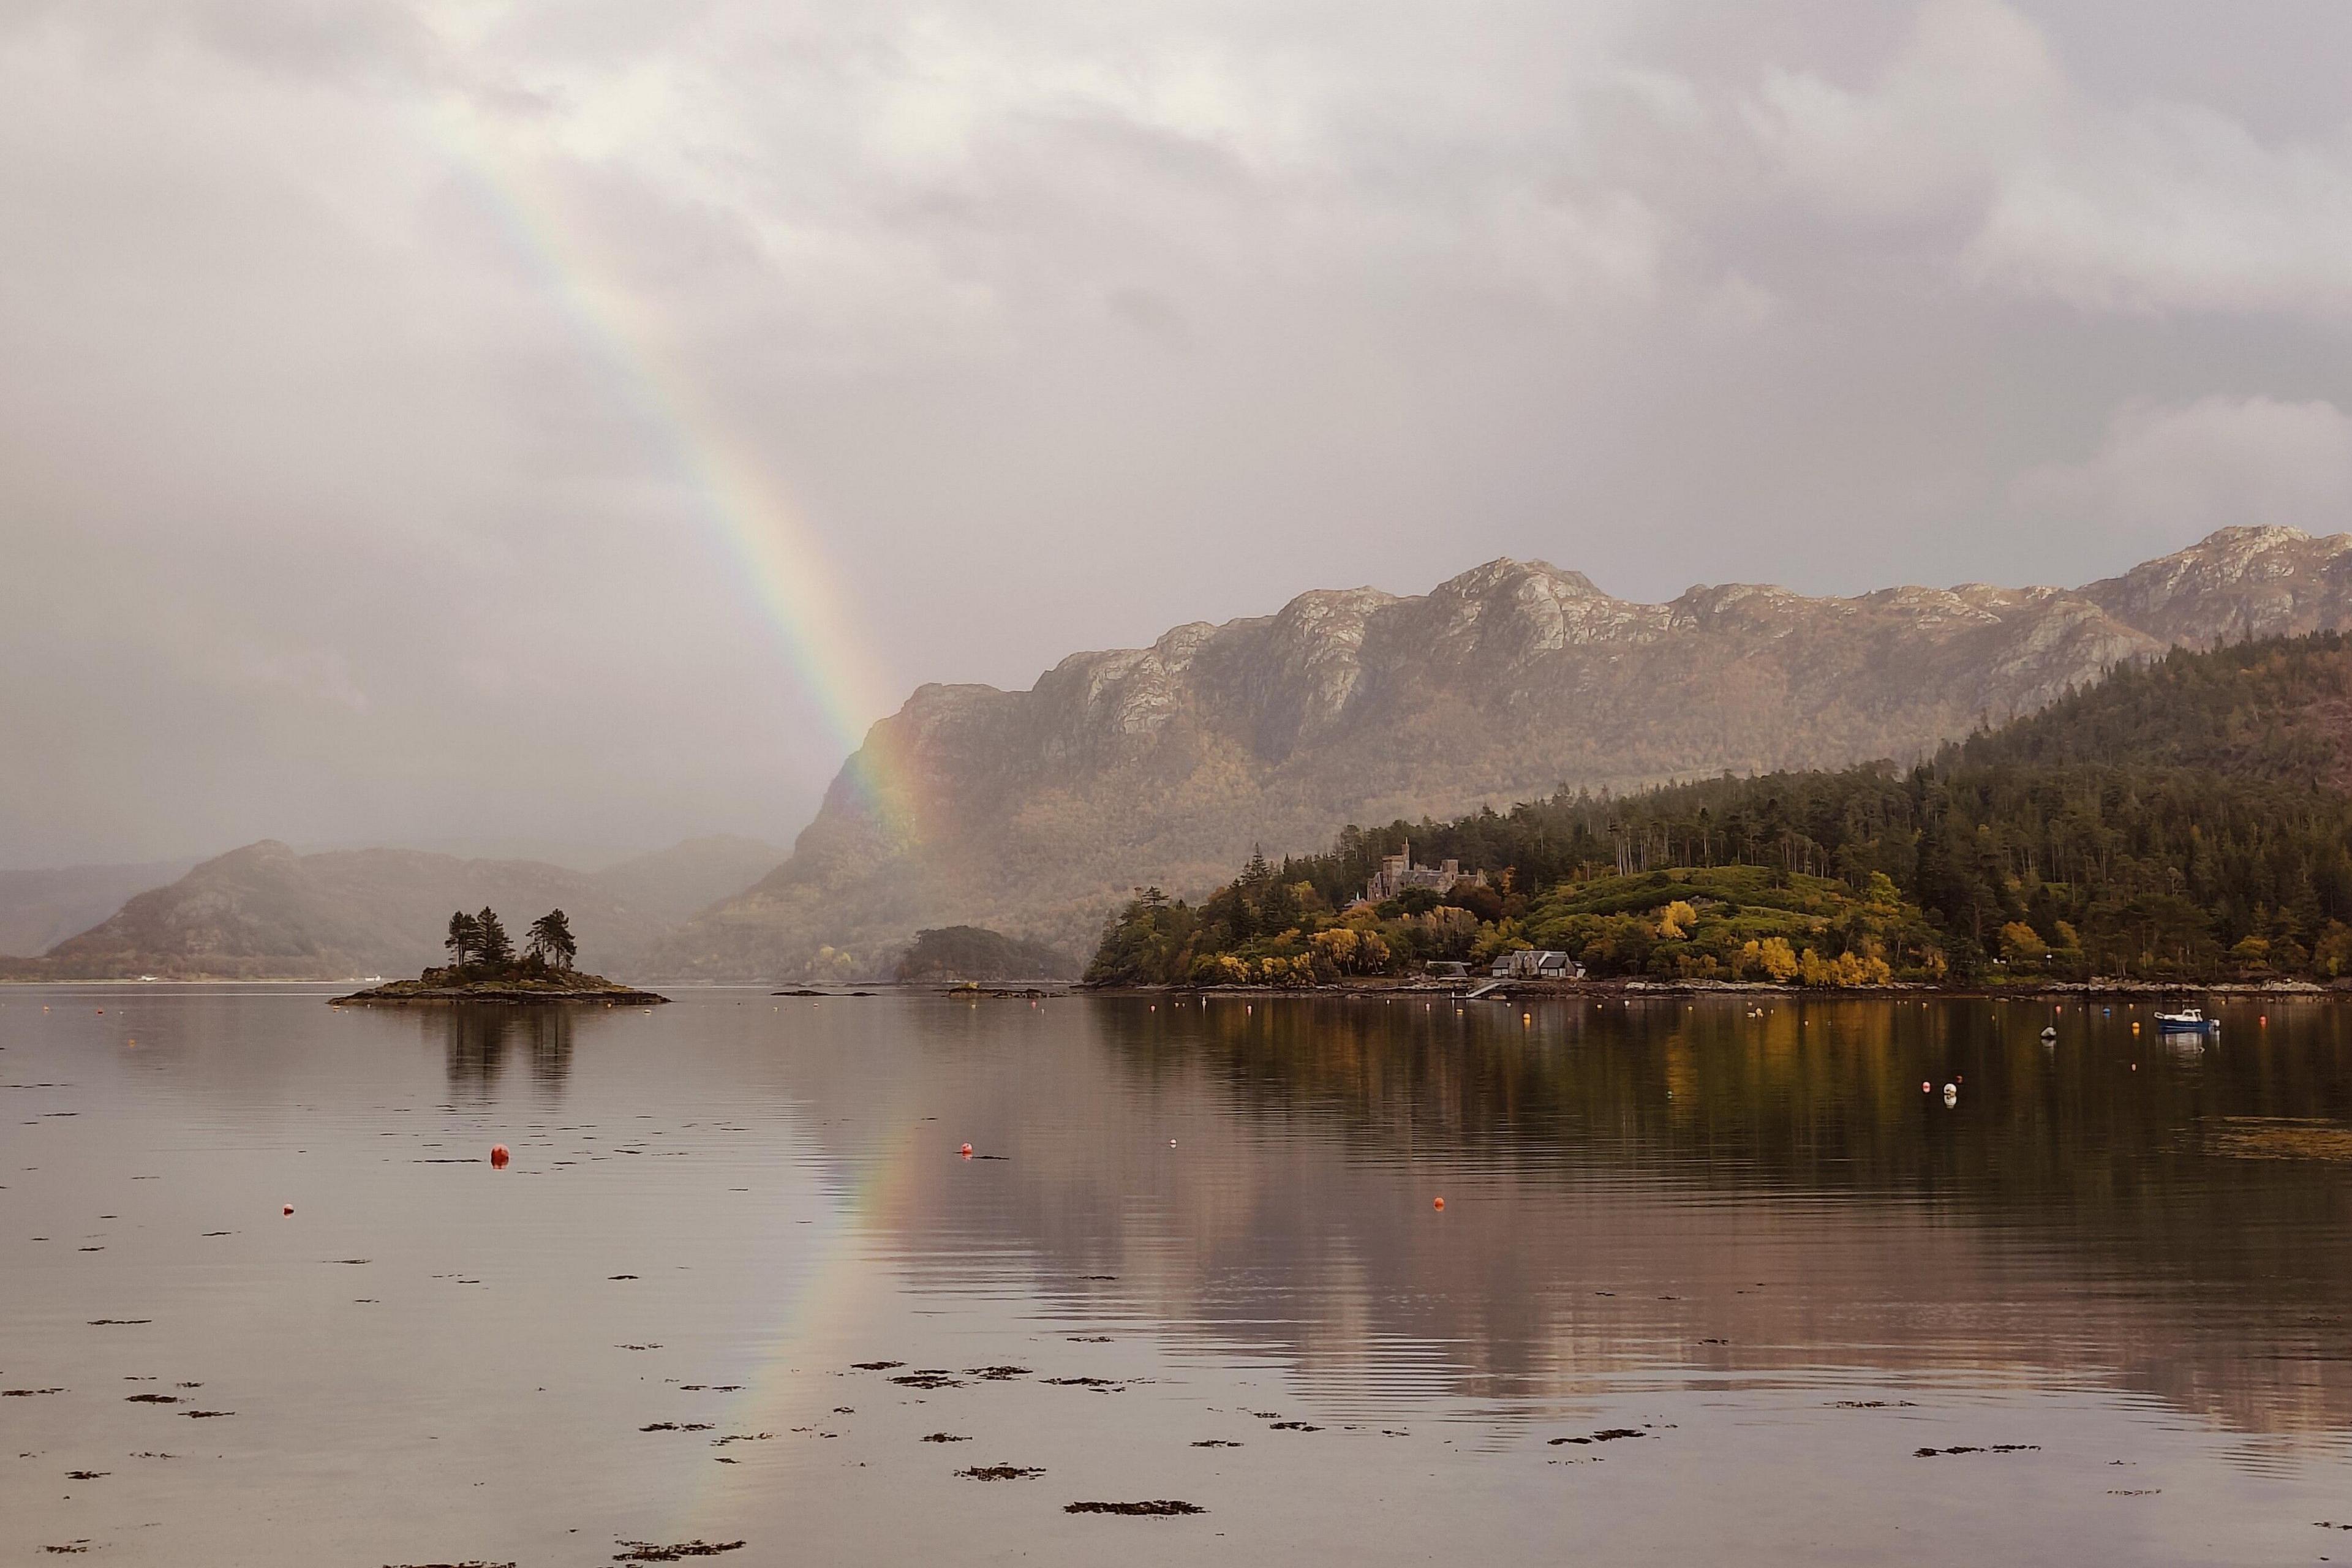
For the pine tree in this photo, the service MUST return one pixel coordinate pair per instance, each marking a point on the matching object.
(463, 939)
(551, 940)
(492, 945)
(1279, 911)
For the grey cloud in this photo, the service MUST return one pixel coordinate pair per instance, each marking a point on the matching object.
(2166, 470)
(2179, 207)
(2151, 204)
(351, 42)
(362, 360)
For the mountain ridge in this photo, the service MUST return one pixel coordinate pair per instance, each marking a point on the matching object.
(1035, 812)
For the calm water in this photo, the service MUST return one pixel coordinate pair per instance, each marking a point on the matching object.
(2119, 1271)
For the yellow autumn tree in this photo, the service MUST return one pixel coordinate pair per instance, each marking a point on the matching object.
(1293, 971)
(2020, 943)
(1770, 958)
(1336, 947)
(1848, 971)
(1220, 969)
(1349, 951)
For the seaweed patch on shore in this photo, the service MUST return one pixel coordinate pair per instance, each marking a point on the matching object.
(928, 1380)
(646, 1552)
(2279, 1138)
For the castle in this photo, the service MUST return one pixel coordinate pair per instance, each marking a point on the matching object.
(1398, 872)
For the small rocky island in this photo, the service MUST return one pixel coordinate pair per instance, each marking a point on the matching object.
(484, 967)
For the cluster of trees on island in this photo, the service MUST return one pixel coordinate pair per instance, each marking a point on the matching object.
(479, 946)
(2184, 819)
(977, 953)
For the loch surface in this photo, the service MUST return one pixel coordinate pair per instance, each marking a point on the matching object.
(1711, 1282)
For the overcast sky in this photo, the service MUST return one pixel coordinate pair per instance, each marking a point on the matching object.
(361, 364)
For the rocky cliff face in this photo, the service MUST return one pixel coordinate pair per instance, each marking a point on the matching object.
(1035, 812)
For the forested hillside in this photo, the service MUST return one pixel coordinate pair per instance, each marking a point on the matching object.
(2180, 819)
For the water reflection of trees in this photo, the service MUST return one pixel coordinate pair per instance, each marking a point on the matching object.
(478, 1040)
(2077, 1205)
(1820, 1095)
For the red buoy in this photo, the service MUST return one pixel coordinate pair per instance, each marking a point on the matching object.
(967, 1151)
(498, 1156)
(290, 1208)
(1438, 1203)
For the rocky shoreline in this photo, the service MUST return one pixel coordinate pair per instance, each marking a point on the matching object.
(581, 989)
(2075, 989)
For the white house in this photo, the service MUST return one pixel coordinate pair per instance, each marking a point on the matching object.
(1536, 963)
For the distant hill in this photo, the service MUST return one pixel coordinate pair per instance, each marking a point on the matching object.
(265, 911)
(1036, 813)
(975, 952)
(668, 885)
(38, 908)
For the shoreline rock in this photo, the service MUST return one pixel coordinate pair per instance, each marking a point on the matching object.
(553, 990)
(1616, 987)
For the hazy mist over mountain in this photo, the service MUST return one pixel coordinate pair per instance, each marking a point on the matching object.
(427, 423)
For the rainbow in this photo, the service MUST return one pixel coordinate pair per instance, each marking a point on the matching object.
(779, 557)
(787, 571)
(875, 1198)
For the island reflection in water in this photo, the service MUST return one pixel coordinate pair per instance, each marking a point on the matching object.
(1711, 1277)
(479, 1036)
